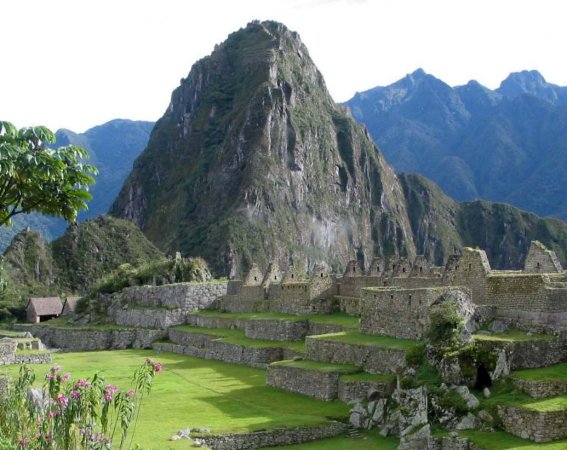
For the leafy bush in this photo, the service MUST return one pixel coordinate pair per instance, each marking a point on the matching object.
(83, 415)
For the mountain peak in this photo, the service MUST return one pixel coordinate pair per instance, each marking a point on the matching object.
(529, 82)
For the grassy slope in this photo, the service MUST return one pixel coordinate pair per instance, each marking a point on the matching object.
(318, 366)
(198, 394)
(556, 372)
(365, 339)
(512, 335)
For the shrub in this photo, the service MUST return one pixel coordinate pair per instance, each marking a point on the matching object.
(83, 415)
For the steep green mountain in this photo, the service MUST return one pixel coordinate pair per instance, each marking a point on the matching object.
(253, 160)
(112, 148)
(507, 145)
(442, 226)
(73, 262)
(96, 247)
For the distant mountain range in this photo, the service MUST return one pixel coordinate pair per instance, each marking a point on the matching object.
(507, 145)
(112, 147)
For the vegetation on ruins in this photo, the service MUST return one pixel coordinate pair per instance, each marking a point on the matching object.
(83, 414)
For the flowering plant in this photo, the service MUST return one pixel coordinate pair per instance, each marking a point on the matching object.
(86, 414)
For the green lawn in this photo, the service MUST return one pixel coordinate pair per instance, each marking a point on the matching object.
(9, 333)
(318, 366)
(196, 393)
(234, 336)
(368, 441)
(507, 394)
(353, 337)
(551, 373)
(500, 440)
(512, 335)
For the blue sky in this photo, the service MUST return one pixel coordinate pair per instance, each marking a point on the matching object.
(76, 64)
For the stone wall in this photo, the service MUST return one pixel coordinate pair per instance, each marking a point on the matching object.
(538, 426)
(313, 383)
(276, 330)
(77, 339)
(272, 438)
(293, 305)
(212, 347)
(348, 305)
(401, 313)
(352, 390)
(201, 321)
(531, 354)
(541, 388)
(185, 296)
(32, 358)
(149, 318)
(370, 358)
(8, 349)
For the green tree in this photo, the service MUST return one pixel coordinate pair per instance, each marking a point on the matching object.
(34, 177)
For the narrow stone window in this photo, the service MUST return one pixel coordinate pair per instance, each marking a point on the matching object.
(275, 277)
(391, 297)
(292, 275)
(255, 278)
(420, 269)
(404, 270)
(470, 266)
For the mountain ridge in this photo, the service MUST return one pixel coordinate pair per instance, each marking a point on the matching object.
(506, 145)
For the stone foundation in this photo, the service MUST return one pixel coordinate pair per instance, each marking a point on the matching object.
(532, 353)
(272, 438)
(534, 425)
(77, 339)
(276, 330)
(313, 383)
(541, 388)
(150, 318)
(370, 358)
(212, 347)
(358, 390)
(185, 296)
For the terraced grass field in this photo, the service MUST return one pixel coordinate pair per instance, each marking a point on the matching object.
(196, 393)
(235, 336)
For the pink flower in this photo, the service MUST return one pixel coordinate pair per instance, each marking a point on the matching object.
(158, 367)
(82, 384)
(62, 400)
(66, 377)
(55, 369)
(75, 395)
(131, 393)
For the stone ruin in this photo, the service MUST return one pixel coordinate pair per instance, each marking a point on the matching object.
(534, 298)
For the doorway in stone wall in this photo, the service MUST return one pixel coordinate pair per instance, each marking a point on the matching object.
(483, 379)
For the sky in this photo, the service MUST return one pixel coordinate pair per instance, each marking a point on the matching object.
(78, 63)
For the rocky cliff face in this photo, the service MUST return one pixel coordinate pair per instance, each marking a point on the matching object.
(253, 161)
(442, 226)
